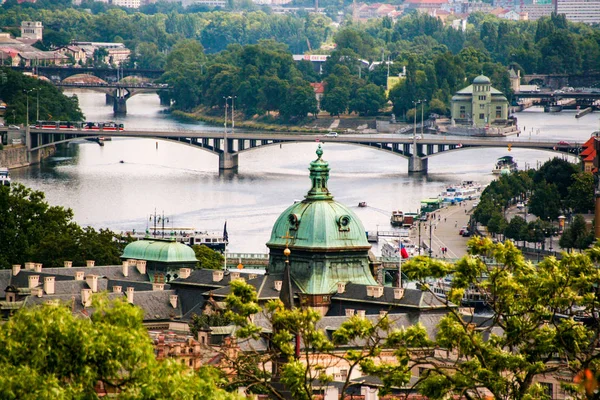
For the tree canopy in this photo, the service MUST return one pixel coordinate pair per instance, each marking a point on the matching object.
(48, 353)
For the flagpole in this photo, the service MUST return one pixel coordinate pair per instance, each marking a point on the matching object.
(400, 265)
(226, 241)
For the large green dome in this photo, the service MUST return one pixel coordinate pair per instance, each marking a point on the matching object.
(318, 222)
(166, 251)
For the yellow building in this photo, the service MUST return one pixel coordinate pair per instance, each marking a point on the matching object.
(479, 104)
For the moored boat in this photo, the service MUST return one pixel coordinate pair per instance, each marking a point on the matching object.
(362, 204)
(467, 190)
(397, 218)
(189, 236)
(4, 177)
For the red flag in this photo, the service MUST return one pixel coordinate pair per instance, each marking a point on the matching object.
(403, 251)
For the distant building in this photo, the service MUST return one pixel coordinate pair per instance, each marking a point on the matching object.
(586, 11)
(117, 52)
(75, 52)
(32, 30)
(479, 104)
(425, 5)
(19, 52)
(206, 3)
(537, 11)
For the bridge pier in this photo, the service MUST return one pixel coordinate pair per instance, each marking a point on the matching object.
(228, 161)
(33, 156)
(417, 164)
(120, 105)
(110, 99)
(165, 99)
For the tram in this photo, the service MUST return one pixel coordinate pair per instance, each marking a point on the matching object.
(78, 125)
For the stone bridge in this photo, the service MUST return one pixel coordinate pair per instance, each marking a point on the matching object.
(228, 146)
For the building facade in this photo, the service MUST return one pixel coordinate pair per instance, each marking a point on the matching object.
(479, 104)
(32, 30)
(586, 11)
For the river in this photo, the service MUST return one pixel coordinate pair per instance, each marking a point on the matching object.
(184, 182)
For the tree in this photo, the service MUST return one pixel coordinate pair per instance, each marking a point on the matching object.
(368, 100)
(300, 101)
(335, 101)
(207, 257)
(577, 235)
(516, 229)
(532, 329)
(32, 230)
(581, 192)
(48, 353)
(545, 201)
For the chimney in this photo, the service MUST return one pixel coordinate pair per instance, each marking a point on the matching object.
(130, 295)
(29, 266)
(185, 273)
(382, 313)
(79, 275)
(398, 293)
(173, 300)
(117, 289)
(90, 263)
(370, 291)
(86, 297)
(341, 287)
(49, 285)
(125, 268)
(278, 285)
(92, 282)
(38, 292)
(158, 286)
(217, 276)
(141, 266)
(68, 264)
(234, 275)
(34, 280)
(349, 312)
(37, 267)
(16, 268)
(361, 313)
(377, 291)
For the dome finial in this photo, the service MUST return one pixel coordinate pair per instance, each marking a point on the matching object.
(319, 151)
(319, 174)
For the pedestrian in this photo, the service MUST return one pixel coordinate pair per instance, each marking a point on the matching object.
(444, 219)
(455, 224)
(465, 211)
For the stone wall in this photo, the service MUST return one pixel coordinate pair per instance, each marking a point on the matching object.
(15, 156)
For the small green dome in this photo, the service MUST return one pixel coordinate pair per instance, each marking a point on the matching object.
(318, 222)
(481, 79)
(166, 251)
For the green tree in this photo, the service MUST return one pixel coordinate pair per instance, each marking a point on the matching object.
(581, 193)
(208, 258)
(48, 353)
(576, 235)
(300, 101)
(545, 201)
(335, 101)
(368, 100)
(516, 229)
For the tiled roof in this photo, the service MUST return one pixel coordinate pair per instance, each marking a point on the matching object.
(108, 271)
(157, 305)
(413, 298)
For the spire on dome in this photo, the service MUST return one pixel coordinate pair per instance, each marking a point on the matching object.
(319, 175)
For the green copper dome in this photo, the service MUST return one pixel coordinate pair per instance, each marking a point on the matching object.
(318, 222)
(166, 251)
(481, 79)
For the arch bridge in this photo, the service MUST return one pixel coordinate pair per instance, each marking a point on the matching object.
(228, 146)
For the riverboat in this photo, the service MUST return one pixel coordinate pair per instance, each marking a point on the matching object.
(188, 236)
(397, 218)
(4, 177)
(390, 248)
(430, 205)
(467, 190)
(362, 204)
(472, 297)
(505, 166)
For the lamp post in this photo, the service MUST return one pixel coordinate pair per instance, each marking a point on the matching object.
(27, 105)
(232, 112)
(226, 105)
(430, 249)
(37, 107)
(422, 122)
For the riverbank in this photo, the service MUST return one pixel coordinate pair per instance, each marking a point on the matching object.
(322, 123)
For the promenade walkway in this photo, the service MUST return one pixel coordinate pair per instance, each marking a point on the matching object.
(445, 227)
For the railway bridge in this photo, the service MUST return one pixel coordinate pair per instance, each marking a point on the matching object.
(228, 145)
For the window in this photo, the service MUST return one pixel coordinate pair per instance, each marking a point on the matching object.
(548, 388)
(191, 362)
(482, 116)
(482, 106)
(482, 98)
(499, 112)
(462, 111)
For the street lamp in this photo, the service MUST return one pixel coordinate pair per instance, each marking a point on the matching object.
(226, 105)
(37, 108)
(430, 249)
(232, 112)
(27, 105)
(422, 122)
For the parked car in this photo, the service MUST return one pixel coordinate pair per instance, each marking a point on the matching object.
(520, 205)
(463, 230)
(332, 134)
(13, 127)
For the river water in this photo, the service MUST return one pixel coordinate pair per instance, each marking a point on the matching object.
(184, 182)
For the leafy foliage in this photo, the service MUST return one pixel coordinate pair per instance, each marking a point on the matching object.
(32, 230)
(207, 257)
(48, 353)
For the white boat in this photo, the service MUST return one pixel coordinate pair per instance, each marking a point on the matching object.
(467, 190)
(4, 177)
(505, 166)
(390, 248)
(189, 236)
